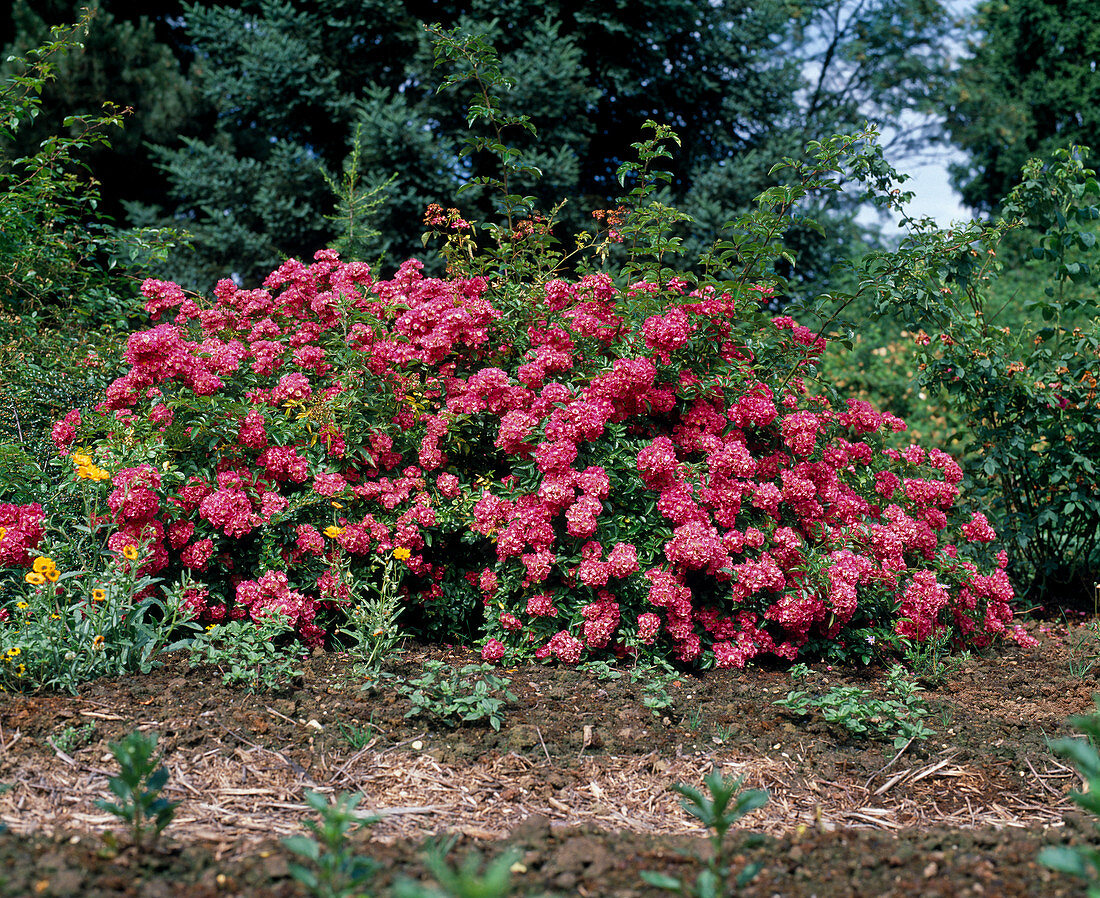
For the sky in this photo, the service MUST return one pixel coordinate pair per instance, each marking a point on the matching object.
(933, 195)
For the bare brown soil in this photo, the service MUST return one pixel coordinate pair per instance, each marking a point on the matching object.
(577, 778)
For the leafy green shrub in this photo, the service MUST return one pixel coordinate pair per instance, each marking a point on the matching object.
(1027, 393)
(1083, 861)
(138, 786)
(718, 815)
(57, 252)
(68, 277)
(21, 480)
(44, 373)
(452, 696)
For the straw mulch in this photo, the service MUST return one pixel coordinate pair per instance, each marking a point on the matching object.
(235, 794)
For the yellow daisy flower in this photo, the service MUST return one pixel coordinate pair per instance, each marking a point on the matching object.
(130, 553)
(401, 553)
(333, 531)
(35, 579)
(98, 595)
(42, 564)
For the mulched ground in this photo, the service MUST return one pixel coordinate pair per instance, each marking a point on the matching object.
(577, 779)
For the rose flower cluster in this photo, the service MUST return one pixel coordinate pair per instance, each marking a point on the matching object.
(567, 469)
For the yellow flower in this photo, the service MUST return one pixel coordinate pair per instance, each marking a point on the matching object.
(333, 531)
(401, 553)
(97, 643)
(42, 564)
(336, 504)
(22, 670)
(35, 579)
(130, 553)
(81, 460)
(22, 606)
(53, 575)
(3, 533)
(98, 595)
(14, 652)
(92, 472)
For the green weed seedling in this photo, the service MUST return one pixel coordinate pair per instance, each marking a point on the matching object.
(138, 786)
(862, 714)
(4, 787)
(470, 694)
(469, 880)
(334, 871)
(1082, 861)
(718, 811)
(724, 732)
(602, 669)
(932, 661)
(655, 679)
(1085, 651)
(72, 738)
(358, 737)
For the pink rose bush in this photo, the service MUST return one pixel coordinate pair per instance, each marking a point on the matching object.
(567, 469)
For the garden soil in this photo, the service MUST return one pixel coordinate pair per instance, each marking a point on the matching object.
(576, 781)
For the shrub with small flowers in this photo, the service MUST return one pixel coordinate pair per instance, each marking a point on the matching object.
(599, 488)
(1028, 393)
(583, 464)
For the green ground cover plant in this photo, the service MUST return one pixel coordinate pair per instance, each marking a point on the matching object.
(253, 655)
(71, 738)
(456, 696)
(860, 713)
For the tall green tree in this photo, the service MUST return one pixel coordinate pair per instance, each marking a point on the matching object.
(285, 85)
(1029, 86)
(124, 59)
